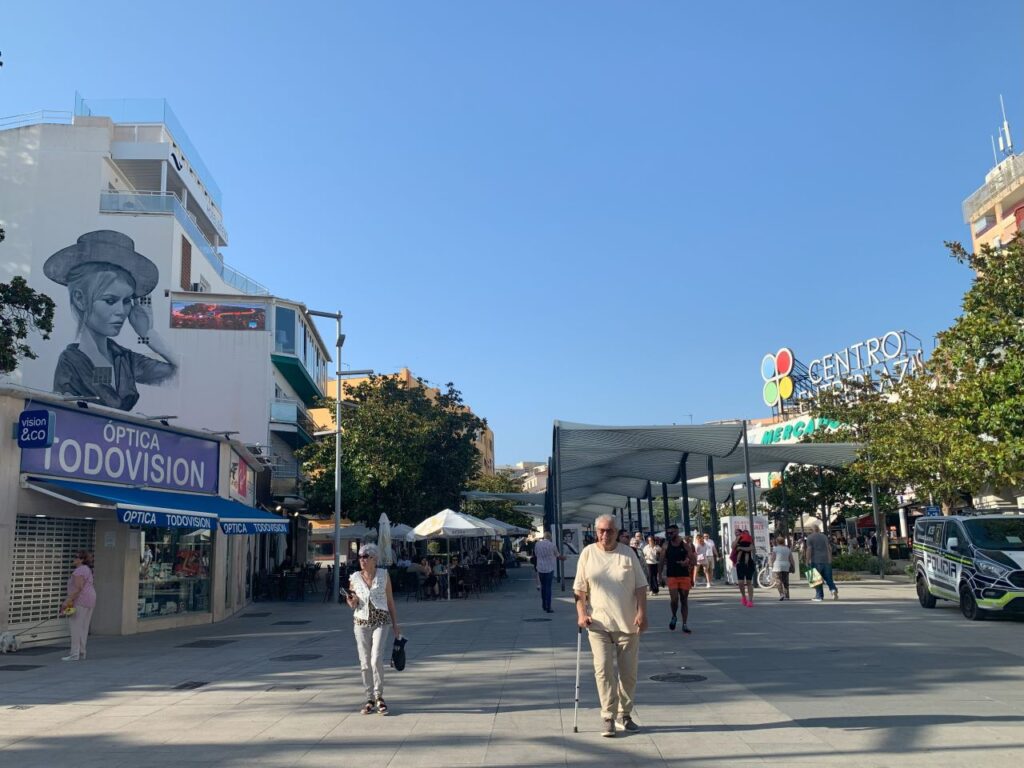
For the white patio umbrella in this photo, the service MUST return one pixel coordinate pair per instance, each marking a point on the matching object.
(448, 524)
(399, 531)
(384, 540)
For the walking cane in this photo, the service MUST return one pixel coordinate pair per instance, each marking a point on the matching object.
(576, 706)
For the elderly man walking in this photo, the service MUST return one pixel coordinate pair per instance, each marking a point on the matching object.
(611, 602)
(818, 554)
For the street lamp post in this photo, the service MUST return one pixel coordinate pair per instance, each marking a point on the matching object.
(339, 343)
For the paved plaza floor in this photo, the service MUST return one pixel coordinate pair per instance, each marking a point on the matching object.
(870, 680)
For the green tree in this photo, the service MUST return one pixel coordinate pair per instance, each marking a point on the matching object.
(406, 451)
(22, 310)
(959, 427)
(501, 482)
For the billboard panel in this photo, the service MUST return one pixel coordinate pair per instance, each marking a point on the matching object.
(218, 317)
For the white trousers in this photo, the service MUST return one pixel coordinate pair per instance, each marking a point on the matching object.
(370, 643)
(79, 622)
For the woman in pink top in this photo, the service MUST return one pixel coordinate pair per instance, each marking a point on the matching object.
(81, 597)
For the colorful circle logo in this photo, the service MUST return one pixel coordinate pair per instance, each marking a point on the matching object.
(775, 370)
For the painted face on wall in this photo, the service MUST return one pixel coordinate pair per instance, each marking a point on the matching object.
(107, 312)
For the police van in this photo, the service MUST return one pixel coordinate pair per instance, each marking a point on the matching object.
(974, 560)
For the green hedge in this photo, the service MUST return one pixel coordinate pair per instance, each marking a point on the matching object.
(861, 561)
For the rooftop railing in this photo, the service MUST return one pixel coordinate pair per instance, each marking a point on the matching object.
(39, 117)
(1009, 172)
(151, 111)
(168, 203)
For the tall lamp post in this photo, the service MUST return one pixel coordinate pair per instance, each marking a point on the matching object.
(340, 342)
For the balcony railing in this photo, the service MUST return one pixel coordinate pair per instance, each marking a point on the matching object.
(290, 412)
(1010, 172)
(168, 203)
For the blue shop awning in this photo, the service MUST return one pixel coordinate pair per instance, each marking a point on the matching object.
(163, 509)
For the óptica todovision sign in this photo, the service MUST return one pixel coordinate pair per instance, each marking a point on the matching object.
(882, 361)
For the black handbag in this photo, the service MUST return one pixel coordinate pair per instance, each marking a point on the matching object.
(398, 654)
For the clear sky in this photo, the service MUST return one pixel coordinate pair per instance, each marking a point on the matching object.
(592, 211)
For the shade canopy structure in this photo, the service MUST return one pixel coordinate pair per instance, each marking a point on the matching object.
(357, 532)
(597, 469)
(399, 531)
(506, 529)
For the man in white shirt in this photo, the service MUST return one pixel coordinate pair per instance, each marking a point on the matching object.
(546, 555)
(611, 602)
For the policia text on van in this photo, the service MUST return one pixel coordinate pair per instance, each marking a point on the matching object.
(976, 561)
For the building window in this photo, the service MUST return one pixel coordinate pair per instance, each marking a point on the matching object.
(174, 572)
(284, 330)
(186, 264)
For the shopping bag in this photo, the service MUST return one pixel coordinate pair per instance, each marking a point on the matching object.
(398, 654)
(814, 578)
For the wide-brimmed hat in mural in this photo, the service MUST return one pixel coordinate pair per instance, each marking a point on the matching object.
(108, 247)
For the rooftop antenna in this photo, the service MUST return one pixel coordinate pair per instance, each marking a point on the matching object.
(1006, 129)
(995, 156)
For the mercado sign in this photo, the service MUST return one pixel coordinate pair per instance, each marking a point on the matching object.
(92, 447)
(791, 431)
(881, 361)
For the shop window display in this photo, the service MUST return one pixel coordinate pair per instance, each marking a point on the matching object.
(174, 572)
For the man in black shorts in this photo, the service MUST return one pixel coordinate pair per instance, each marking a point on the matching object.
(679, 560)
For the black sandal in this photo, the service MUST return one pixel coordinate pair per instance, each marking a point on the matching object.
(367, 708)
(382, 708)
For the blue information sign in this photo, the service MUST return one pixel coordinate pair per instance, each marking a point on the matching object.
(933, 511)
(35, 429)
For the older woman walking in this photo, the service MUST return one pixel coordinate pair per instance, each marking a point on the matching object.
(373, 605)
(78, 606)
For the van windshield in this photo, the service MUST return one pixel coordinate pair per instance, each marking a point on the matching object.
(997, 534)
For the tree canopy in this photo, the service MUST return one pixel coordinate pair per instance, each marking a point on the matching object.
(22, 310)
(406, 450)
(959, 427)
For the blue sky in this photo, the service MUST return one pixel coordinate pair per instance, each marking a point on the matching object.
(592, 211)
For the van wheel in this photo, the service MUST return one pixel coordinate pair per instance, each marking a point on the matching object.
(926, 598)
(968, 605)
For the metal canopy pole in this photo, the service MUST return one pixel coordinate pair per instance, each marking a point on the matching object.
(713, 505)
(684, 495)
(664, 502)
(558, 501)
(650, 511)
(750, 485)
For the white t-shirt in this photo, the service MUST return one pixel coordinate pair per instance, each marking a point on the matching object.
(652, 554)
(706, 552)
(611, 580)
(783, 557)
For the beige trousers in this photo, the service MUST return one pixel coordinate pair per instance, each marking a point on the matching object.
(79, 623)
(615, 663)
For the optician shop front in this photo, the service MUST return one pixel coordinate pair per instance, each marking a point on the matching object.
(167, 513)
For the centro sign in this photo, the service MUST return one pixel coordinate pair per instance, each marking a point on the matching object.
(881, 361)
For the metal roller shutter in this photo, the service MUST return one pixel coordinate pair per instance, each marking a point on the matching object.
(40, 568)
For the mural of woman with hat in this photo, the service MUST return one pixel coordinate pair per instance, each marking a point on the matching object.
(108, 283)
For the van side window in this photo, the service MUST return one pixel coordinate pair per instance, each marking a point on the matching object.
(953, 532)
(930, 532)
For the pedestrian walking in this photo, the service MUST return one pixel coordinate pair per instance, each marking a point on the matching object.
(743, 558)
(547, 556)
(611, 602)
(679, 562)
(818, 554)
(652, 559)
(707, 553)
(373, 607)
(79, 604)
(781, 561)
